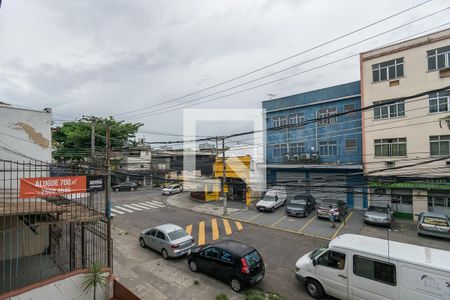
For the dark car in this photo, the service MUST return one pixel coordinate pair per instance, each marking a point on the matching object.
(324, 208)
(125, 186)
(230, 261)
(300, 205)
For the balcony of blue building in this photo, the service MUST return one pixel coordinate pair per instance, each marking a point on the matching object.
(314, 143)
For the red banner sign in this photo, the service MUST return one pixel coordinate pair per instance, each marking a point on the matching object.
(51, 186)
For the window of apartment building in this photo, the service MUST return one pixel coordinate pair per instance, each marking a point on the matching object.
(440, 145)
(390, 147)
(279, 121)
(438, 58)
(296, 119)
(350, 145)
(279, 150)
(324, 115)
(439, 101)
(328, 148)
(438, 200)
(388, 70)
(349, 107)
(392, 110)
(297, 148)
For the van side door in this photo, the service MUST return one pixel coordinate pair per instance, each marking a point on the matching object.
(332, 269)
(372, 279)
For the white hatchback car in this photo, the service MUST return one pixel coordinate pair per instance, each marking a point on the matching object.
(172, 189)
(273, 199)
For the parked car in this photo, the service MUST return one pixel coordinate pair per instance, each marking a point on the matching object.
(359, 267)
(378, 215)
(300, 205)
(324, 208)
(125, 186)
(168, 239)
(230, 261)
(273, 198)
(172, 189)
(433, 223)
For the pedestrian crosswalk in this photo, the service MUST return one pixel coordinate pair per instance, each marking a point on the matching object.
(130, 208)
(211, 231)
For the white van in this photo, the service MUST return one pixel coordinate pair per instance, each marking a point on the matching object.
(358, 267)
(273, 198)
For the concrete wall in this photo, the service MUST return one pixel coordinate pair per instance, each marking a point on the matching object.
(18, 240)
(418, 124)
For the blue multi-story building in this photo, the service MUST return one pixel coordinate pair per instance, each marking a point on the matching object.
(307, 146)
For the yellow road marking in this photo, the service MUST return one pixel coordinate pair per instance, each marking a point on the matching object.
(342, 225)
(304, 226)
(227, 226)
(238, 225)
(278, 221)
(189, 229)
(215, 229)
(201, 233)
(254, 217)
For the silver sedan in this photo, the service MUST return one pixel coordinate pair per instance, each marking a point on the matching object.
(169, 239)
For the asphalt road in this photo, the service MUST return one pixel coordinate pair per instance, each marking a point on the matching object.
(144, 271)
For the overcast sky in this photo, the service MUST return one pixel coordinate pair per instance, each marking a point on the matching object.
(105, 57)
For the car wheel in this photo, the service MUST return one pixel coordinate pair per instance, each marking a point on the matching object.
(193, 266)
(236, 285)
(306, 213)
(164, 254)
(420, 234)
(132, 189)
(284, 202)
(314, 288)
(273, 208)
(142, 242)
(170, 193)
(116, 189)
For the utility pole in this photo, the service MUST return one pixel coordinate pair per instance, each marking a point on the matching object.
(224, 179)
(93, 138)
(108, 194)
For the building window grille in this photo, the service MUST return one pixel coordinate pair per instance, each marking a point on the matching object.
(350, 145)
(279, 150)
(388, 70)
(296, 119)
(297, 148)
(392, 110)
(279, 121)
(390, 147)
(439, 102)
(324, 116)
(438, 58)
(440, 145)
(349, 107)
(328, 148)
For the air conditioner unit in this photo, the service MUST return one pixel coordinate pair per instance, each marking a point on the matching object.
(390, 164)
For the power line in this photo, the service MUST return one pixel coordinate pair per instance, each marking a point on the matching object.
(281, 60)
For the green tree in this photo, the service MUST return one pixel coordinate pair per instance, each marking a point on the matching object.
(72, 141)
(94, 278)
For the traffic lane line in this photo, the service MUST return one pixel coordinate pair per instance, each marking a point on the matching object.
(281, 219)
(343, 224)
(122, 208)
(245, 215)
(320, 227)
(201, 233)
(215, 229)
(117, 211)
(293, 223)
(307, 223)
(227, 227)
(189, 229)
(238, 225)
(254, 217)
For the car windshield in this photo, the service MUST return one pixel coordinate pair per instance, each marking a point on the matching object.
(269, 198)
(177, 234)
(327, 204)
(316, 252)
(252, 258)
(378, 209)
(298, 201)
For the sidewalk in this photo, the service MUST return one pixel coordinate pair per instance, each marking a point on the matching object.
(215, 208)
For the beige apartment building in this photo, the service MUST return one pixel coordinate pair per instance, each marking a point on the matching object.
(401, 138)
